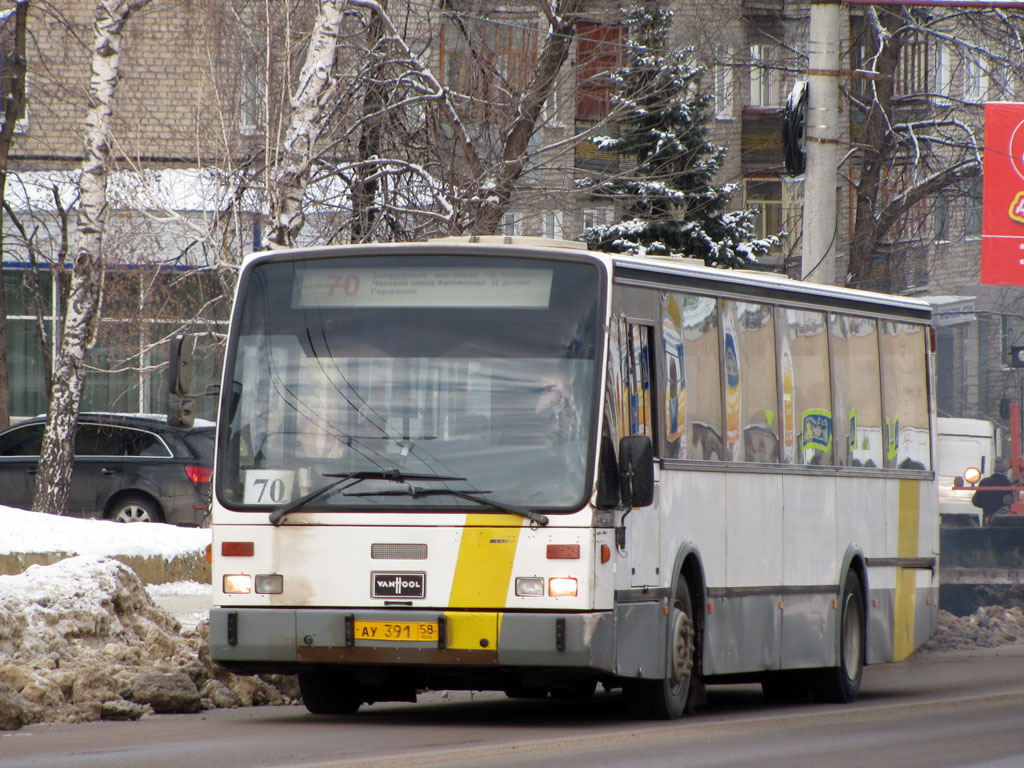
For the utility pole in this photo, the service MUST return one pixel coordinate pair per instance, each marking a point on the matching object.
(818, 257)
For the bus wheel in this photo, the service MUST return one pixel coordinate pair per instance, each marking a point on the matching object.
(666, 699)
(841, 684)
(328, 692)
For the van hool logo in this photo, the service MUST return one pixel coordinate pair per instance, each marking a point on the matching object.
(407, 585)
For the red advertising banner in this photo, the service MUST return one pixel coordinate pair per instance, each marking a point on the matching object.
(1002, 224)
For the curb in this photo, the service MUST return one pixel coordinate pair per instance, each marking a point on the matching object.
(153, 569)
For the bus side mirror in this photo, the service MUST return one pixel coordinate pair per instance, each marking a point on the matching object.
(179, 364)
(636, 471)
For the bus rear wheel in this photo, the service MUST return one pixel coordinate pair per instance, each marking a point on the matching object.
(666, 699)
(841, 684)
(329, 692)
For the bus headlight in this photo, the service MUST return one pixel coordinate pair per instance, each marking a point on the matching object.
(529, 586)
(237, 584)
(269, 583)
(562, 586)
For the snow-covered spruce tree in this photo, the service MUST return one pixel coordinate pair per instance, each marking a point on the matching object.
(669, 203)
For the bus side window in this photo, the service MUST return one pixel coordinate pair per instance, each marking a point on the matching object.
(905, 395)
(751, 391)
(856, 387)
(807, 419)
(637, 378)
(692, 388)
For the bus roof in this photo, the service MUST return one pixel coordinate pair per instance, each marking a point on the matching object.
(650, 270)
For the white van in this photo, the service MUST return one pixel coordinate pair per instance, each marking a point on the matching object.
(961, 445)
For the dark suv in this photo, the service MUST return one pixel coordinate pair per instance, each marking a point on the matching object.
(127, 468)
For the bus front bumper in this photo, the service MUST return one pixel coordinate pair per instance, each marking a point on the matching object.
(284, 639)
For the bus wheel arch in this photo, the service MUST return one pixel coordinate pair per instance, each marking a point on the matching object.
(841, 683)
(682, 690)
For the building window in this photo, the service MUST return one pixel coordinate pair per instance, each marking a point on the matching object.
(912, 68)
(940, 217)
(976, 81)
(972, 210)
(489, 61)
(7, 75)
(511, 224)
(725, 84)
(779, 203)
(943, 71)
(599, 52)
(593, 217)
(250, 94)
(553, 224)
(765, 76)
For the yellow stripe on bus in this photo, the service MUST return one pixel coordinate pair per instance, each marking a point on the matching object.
(482, 575)
(906, 546)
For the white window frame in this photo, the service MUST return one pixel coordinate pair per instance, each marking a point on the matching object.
(765, 82)
(943, 71)
(511, 224)
(725, 84)
(21, 125)
(250, 95)
(976, 81)
(553, 225)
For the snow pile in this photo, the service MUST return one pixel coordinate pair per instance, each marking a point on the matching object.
(82, 640)
(988, 627)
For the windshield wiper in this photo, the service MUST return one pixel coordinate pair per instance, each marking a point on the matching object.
(469, 495)
(393, 475)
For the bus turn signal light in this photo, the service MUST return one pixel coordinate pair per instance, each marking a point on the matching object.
(237, 548)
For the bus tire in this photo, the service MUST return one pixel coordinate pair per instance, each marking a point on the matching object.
(666, 699)
(841, 684)
(329, 692)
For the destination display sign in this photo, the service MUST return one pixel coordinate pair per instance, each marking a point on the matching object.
(514, 288)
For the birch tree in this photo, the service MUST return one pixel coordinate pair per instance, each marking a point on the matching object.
(53, 478)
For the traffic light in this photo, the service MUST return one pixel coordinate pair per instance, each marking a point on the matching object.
(1017, 357)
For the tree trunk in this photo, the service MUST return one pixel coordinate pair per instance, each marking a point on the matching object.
(13, 74)
(53, 478)
(365, 184)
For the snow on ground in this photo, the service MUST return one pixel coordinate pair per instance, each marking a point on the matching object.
(22, 531)
(83, 639)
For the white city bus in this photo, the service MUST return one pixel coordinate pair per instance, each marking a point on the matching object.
(517, 465)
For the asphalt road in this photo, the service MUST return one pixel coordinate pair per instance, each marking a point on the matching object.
(931, 711)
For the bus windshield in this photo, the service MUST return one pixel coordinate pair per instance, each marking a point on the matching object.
(477, 371)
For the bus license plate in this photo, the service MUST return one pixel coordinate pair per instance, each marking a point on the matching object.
(402, 631)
